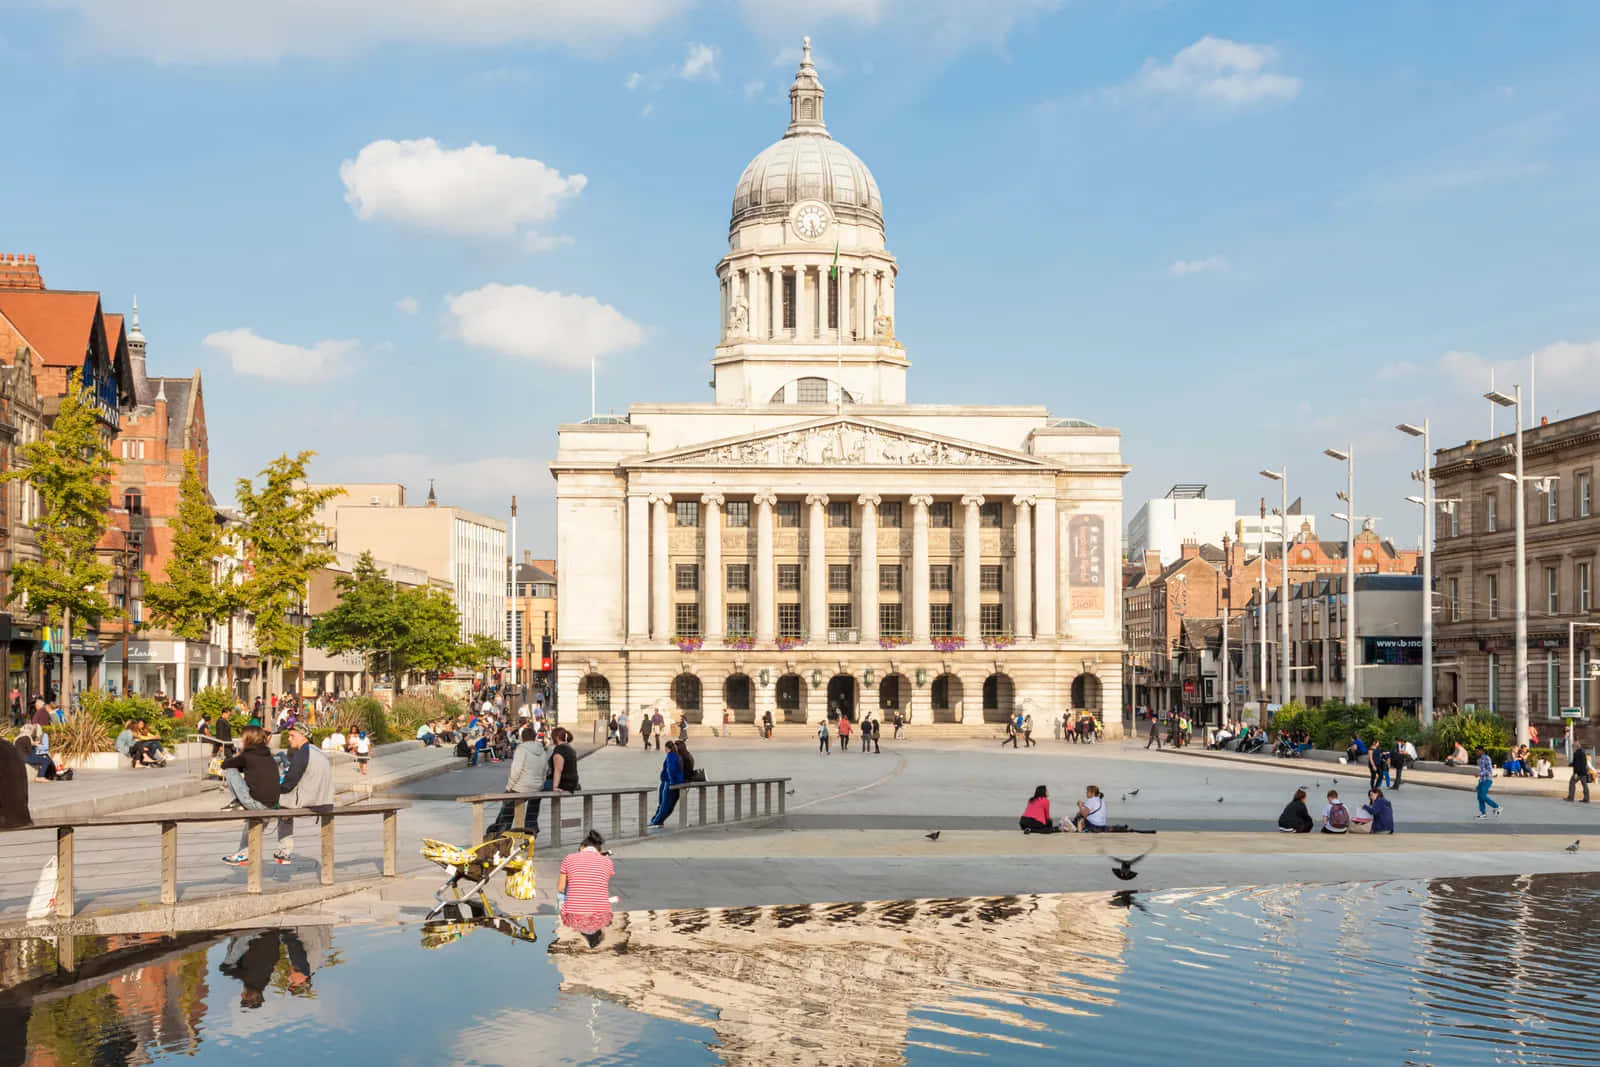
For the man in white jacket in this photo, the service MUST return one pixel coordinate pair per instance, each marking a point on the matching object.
(527, 775)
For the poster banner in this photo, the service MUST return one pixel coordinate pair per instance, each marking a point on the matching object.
(1086, 572)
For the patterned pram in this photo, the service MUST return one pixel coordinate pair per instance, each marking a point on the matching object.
(440, 933)
(470, 869)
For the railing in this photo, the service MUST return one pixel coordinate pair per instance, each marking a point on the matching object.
(66, 852)
(643, 796)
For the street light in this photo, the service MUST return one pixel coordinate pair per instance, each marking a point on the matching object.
(1347, 457)
(1426, 500)
(1515, 401)
(1282, 478)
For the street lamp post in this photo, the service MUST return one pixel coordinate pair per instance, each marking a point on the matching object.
(1282, 478)
(1515, 401)
(1572, 671)
(1427, 502)
(1227, 603)
(1347, 457)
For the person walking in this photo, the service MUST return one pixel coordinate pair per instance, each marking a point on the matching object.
(899, 724)
(1485, 783)
(844, 732)
(877, 735)
(307, 783)
(1027, 730)
(660, 725)
(622, 728)
(1376, 767)
(822, 738)
(1397, 760)
(1011, 733)
(1155, 733)
(766, 725)
(1582, 772)
(671, 775)
(645, 726)
(362, 746)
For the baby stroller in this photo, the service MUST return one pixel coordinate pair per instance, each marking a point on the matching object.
(461, 897)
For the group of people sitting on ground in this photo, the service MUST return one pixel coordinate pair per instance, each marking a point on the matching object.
(140, 744)
(1336, 817)
(1089, 819)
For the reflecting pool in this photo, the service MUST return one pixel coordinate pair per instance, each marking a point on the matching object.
(1449, 972)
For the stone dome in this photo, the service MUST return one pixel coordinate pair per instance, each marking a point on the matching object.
(807, 164)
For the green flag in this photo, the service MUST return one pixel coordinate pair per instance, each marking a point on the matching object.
(833, 271)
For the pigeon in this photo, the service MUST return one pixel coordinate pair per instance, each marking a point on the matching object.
(1219, 800)
(933, 836)
(1134, 792)
(1126, 898)
(1124, 869)
(1124, 800)
(1572, 847)
(790, 793)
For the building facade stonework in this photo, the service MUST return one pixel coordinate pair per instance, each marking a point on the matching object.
(809, 543)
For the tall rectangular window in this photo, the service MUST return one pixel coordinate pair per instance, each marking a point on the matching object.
(688, 578)
(1552, 687)
(1494, 682)
(1583, 588)
(939, 577)
(1455, 600)
(889, 515)
(839, 513)
(1582, 667)
(687, 512)
(891, 623)
(839, 577)
(1455, 520)
(1585, 495)
(1552, 499)
(738, 620)
(1491, 513)
(1552, 591)
(941, 620)
(789, 577)
(989, 577)
(939, 514)
(738, 577)
(788, 620)
(889, 577)
(788, 301)
(789, 513)
(1492, 585)
(990, 619)
(990, 514)
(738, 513)
(688, 620)
(839, 617)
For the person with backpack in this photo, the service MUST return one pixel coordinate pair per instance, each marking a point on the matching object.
(1335, 816)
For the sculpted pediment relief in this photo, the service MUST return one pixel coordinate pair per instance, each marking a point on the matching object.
(845, 443)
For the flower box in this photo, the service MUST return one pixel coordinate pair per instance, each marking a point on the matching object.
(893, 641)
(999, 641)
(952, 643)
(786, 643)
(742, 642)
(688, 644)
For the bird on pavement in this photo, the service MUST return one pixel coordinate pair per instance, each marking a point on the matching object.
(1219, 800)
(933, 836)
(790, 793)
(1124, 869)
(1124, 799)
(1573, 847)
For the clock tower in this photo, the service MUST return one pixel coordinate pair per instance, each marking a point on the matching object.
(807, 286)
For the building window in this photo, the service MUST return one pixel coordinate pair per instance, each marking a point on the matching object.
(738, 620)
(889, 577)
(889, 515)
(839, 513)
(133, 501)
(839, 577)
(939, 514)
(1552, 591)
(1583, 588)
(989, 515)
(1455, 600)
(788, 301)
(788, 620)
(811, 391)
(939, 577)
(789, 513)
(688, 578)
(941, 620)
(687, 512)
(1552, 509)
(1491, 513)
(1454, 511)
(132, 449)
(1585, 495)
(833, 301)
(839, 617)
(1582, 667)
(989, 577)
(686, 692)
(1492, 582)
(1494, 682)
(688, 620)
(891, 623)
(738, 513)
(789, 577)
(738, 577)
(990, 619)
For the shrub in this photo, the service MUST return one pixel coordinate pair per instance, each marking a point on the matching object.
(78, 737)
(1471, 729)
(366, 713)
(320, 734)
(1393, 726)
(116, 712)
(212, 702)
(409, 712)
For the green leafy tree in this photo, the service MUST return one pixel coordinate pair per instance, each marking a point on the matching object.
(283, 547)
(481, 651)
(395, 629)
(69, 466)
(189, 600)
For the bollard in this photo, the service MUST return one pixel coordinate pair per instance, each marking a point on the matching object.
(555, 821)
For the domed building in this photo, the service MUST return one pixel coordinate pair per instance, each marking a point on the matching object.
(811, 544)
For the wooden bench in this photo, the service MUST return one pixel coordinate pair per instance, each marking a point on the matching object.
(642, 795)
(66, 830)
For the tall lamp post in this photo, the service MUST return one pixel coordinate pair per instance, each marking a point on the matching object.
(1227, 603)
(1425, 476)
(1347, 457)
(1515, 401)
(1282, 478)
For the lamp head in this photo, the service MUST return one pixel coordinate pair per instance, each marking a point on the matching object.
(1497, 397)
(1276, 476)
(1341, 516)
(1410, 430)
(1509, 477)
(1415, 499)
(1334, 453)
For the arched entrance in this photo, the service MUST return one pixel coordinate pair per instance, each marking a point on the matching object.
(686, 696)
(736, 698)
(999, 698)
(894, 695)
(842, 697)
(791, 698)
(946, 698)
(1086, 693)
(596, 697)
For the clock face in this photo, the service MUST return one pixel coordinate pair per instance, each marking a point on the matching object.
(811, 221)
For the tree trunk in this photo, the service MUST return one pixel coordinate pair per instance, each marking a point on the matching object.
(232, 693)
(66, 659)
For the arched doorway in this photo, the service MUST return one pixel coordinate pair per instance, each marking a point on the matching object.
(842, 696)
(791, 698)
(999, 698)
(946, 698)
(686, 696)
(1086, 693)
(736, 698)
(894, 695)
(596, 697)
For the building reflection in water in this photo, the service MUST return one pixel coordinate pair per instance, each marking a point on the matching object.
(838, 983)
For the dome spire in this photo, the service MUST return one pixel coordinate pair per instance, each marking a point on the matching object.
(805, 97)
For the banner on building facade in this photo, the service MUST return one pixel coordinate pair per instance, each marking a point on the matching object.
(1086, 572)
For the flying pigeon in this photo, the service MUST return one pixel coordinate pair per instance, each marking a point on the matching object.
(1134, 792)
(790, 793)
(1124, 869)
(933, 836)
(1124, 798)
(1572, 847)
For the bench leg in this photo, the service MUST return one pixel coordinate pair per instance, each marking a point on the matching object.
(66, 900)
(722, 815)
(477, 821)
(327, 848)
(169, 863)
(616, 815)
(391, 828)
(253, 869)
(555, 820)
(588, 815)
(644, 812)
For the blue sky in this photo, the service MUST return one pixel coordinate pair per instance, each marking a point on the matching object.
(1240, 233)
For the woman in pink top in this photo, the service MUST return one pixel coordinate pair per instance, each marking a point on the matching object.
(583, 889)
(1036, 816)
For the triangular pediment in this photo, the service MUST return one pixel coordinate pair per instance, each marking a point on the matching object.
(838, 441)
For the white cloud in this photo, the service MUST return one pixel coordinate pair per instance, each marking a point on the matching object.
(1560, 364)
(476, 191)
(544, 242)
(1197, 266)
(407, 305)
(559, 329)
(222, 30)
(648, 110)
(634, 81)
(700, 64)
(753, 89)
(1215, 70)
(259, 357)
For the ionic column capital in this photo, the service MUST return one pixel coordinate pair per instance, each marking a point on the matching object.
(766, 496)
(660, 498)
(869, 500)
(973, 500)
(921, 500)
(1023, 501)
(710, 499)
(817, 499)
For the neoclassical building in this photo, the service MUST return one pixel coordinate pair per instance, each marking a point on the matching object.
(809, 541)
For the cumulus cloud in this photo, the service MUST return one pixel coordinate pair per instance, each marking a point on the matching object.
(1197, 266)
(209, 31)
(255, 356)
(476, 191)
(558, 329)
(1215, 70)
(700, 64)
(407, 305)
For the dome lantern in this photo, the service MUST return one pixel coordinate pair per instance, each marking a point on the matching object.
(805, 97)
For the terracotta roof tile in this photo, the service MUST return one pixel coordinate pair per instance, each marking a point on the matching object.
(58, 324)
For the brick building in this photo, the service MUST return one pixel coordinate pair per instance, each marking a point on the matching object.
(21, 421)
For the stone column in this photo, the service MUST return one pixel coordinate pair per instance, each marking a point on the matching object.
(766, 611)
(638, 628)
(1044, 567)
(817, 568)
(804, 305)
(711, 576)
(1022, 569)
(970, 624)
(868, 601)
(844, 303)
(660, 580)
(774, 301)
(919, 569)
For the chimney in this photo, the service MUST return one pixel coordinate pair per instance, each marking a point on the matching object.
(1189, 549)
(18, 271)
(527, 557)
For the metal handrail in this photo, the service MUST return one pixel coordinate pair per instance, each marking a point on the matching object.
(642, 795)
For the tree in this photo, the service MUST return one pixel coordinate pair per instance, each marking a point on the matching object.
(481, 651)
(283, 547)
(69, 466)
(191, 599)
(401, 629)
